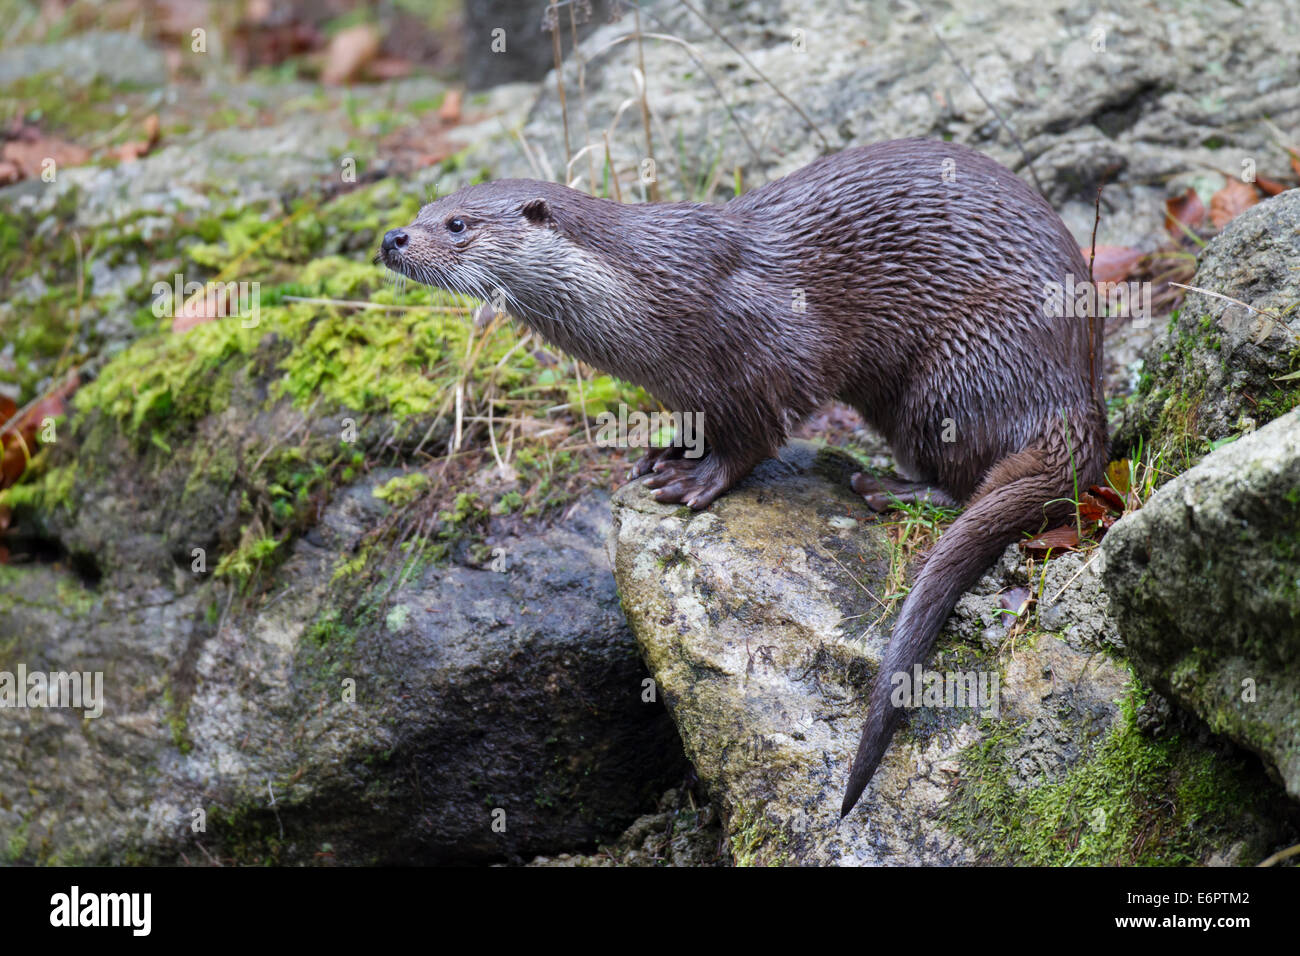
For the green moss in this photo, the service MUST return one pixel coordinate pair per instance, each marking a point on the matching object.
(16, 845)
(403, 489)
(755, 839)
(248, 557)
(177, 719)
(41, 488)
(1133, 801)
(248, 834)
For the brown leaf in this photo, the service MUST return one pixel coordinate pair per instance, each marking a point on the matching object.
(130, 152)
(14, 460)
(449, 112)
(1271, 187)
(51, 406)
(1113, 263)
(1229, 202)
(349, 52)
(9, 173)
(1109, 496)
(1065, 538)
(211, 303)
(1186, 209)
(28, 155)
(1092, 509)
(388, 68)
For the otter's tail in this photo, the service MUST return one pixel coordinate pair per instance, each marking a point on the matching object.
(1014, 498)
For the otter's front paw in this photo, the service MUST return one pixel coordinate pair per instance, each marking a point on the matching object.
(652, 456)
(692, 482)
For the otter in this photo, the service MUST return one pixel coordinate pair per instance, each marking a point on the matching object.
(910, 279)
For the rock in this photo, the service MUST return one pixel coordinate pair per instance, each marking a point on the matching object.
(329, 715)
(504, 41)
(760, 621)
(1204, 582)
(1217, 369)
(679, 833)
(119, 58)
(1087, 90)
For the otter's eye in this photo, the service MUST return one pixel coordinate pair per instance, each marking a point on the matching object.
(455, 225)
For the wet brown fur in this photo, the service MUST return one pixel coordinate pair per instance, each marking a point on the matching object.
(923, 307)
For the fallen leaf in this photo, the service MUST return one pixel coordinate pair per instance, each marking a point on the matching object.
(14, 460)
(1016, 601)
(1112, 498)
(388, 68)
(1092, 509)
(1229, 202)
(9, 173)
(152, 129)
(129, 152)
(1186, 209)
(211, 303)
(349, 52)
(1271, 187)
(1113, 263)
(1065, 538)
(29, 155)
(449, 112)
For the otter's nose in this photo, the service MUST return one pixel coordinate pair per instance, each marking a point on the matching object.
(394, 239)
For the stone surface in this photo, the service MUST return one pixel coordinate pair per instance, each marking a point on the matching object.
(761, 624)
(480, 697)
(1204, 582)
(1161, 93)
(1220, 368)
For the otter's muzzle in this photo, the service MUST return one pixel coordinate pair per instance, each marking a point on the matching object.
(394, 240)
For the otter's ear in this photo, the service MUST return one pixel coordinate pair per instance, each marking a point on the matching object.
(538, 212)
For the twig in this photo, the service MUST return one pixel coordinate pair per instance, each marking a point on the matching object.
(582, 89)
(1281, 855)
(1052, 600)
(645, 103)
(1228, 298)
(1092, 286)
(553, 18)
(358, 304)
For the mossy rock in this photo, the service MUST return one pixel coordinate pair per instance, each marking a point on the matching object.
(1220, 369)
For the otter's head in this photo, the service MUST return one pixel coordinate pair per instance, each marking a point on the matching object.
(493, 242)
